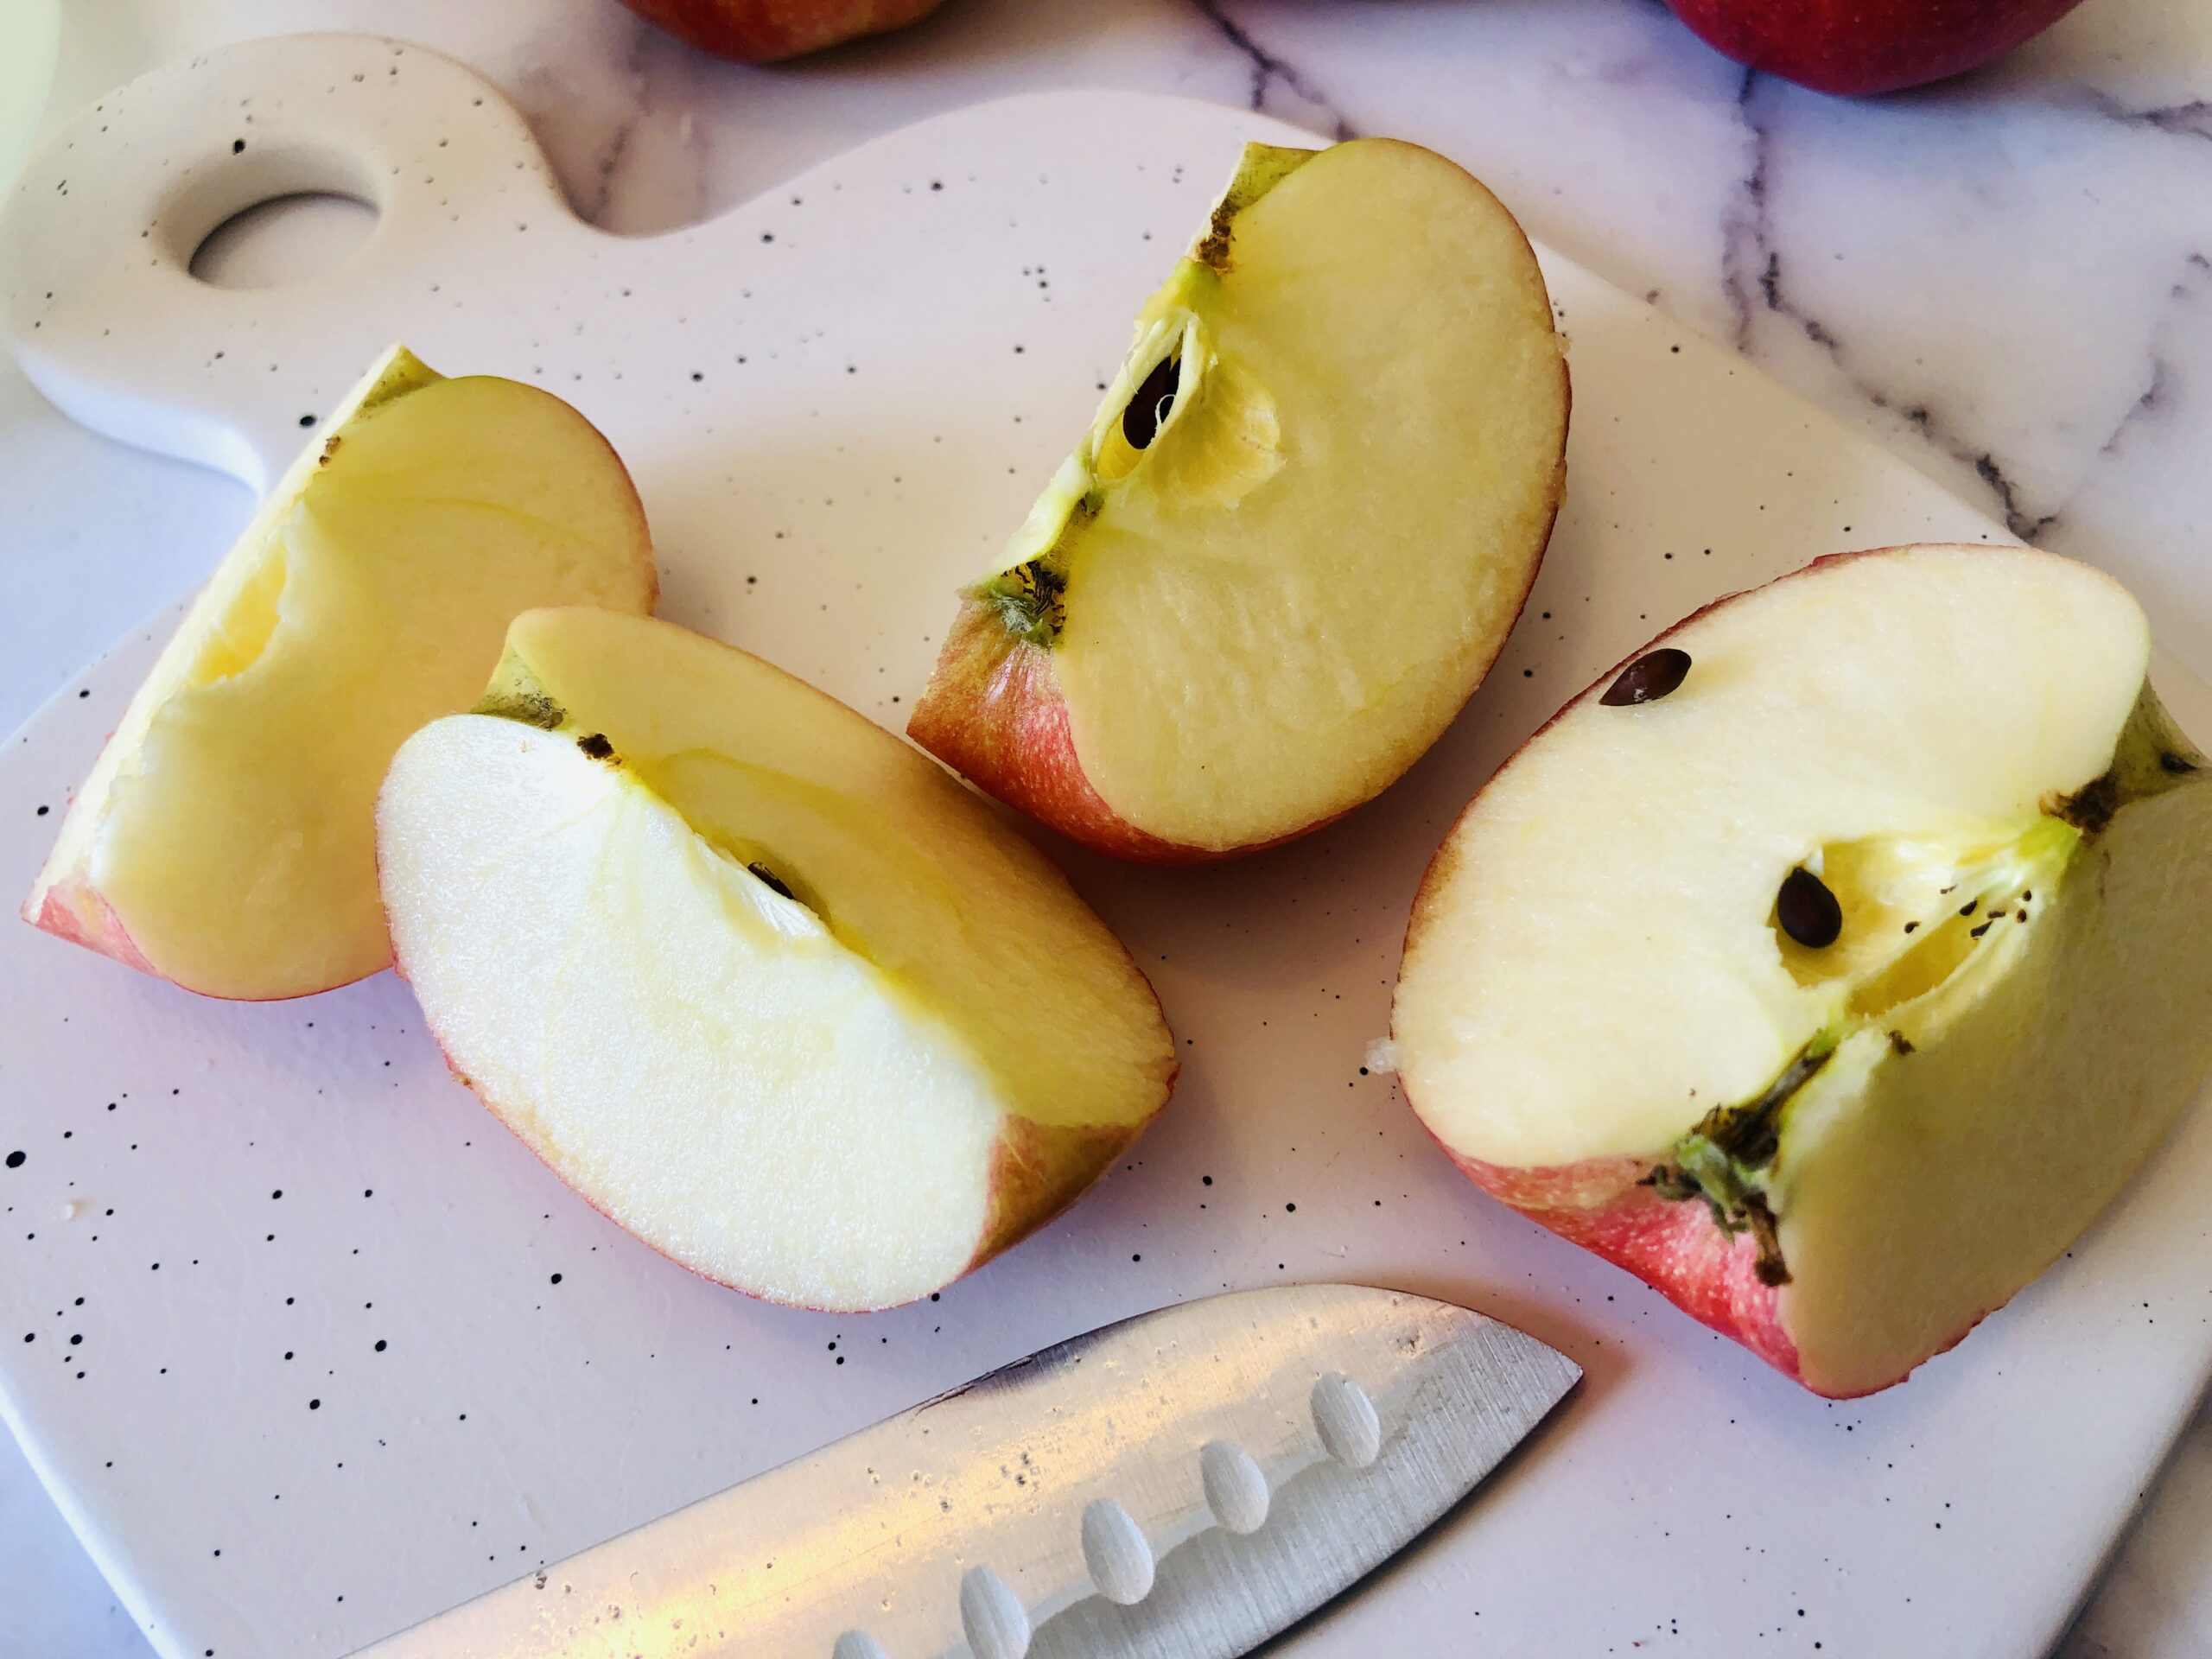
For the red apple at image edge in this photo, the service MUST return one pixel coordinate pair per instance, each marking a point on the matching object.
(764, 31)
(1860, 46)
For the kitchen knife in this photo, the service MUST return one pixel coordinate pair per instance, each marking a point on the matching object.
(1181, 1485)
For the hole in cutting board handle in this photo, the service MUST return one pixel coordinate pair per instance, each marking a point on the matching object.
(284, 239)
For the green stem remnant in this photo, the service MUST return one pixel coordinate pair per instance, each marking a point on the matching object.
(1263, 167)
(1719, 1160)
(531, 708)
(2153, 755)
(1723, 1160)
(1031, 599)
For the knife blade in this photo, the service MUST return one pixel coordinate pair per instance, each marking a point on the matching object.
(1179, 1486)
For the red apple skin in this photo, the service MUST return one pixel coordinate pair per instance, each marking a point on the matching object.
(994, 713)
(764, 31)
(1600, 1204)
(1861, 46)
(1673, 1246)
(74, 910)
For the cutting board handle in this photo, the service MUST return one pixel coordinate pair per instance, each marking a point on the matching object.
(97, 297)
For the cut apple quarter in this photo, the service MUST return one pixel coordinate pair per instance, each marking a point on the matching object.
(1296, 534)
(1833, 963)
(761, 982)
(225, 838)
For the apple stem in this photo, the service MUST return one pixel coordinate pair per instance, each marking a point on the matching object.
(1718, 1160)
(1030, 599)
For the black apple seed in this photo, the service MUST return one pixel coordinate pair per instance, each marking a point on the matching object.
(1148, 409)
(772, 879)
(1808, 910)
(1649, 678)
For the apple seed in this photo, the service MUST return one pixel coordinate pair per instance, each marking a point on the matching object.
(1808, 910)
(1649, 678)
(1148, 411)
(771, 878)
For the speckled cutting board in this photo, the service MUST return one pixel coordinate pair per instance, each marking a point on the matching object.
(307, 1347)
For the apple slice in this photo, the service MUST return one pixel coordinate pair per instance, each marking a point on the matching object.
(762, 983)
(1297, 532)
(1833, 964)
(226, 839)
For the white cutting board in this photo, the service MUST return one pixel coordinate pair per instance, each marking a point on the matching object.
(427, 1368)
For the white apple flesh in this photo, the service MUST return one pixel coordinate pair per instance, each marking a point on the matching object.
(1835, 989)
(761, 982)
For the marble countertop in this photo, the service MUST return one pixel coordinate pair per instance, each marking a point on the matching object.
(2007, 280)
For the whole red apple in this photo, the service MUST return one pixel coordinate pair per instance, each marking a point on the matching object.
(762, 31)
(1855, 47)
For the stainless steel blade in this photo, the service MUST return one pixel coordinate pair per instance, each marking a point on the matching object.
(1181, 1485)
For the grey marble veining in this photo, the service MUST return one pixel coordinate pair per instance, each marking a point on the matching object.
(2007, 279)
